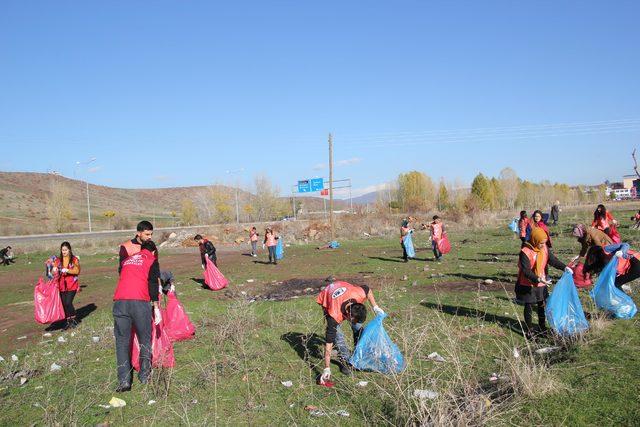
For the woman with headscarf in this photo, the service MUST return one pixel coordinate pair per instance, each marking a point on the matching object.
(531, 286)
(537, 221)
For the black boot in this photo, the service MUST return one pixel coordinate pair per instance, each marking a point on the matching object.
(123, 387)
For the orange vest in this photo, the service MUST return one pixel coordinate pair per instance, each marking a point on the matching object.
(532, 256)
(336, 294)
(522, 224)
(271, 239)
(625, 264)
(436, 231)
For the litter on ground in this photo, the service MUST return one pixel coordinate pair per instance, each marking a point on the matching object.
(425, 394)
(435, 357)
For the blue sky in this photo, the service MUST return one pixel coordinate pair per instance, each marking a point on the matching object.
(168, 93)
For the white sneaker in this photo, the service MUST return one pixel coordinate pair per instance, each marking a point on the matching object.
(626, 289)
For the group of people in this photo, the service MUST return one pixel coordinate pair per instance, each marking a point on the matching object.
(437, 233)
(599, 243)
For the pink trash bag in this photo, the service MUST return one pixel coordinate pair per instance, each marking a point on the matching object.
(213, 278)
(579, 278)
(443, 245)
(161, 348)
(47, 304)
(176, 320)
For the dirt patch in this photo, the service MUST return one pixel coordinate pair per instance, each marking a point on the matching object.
(463, 287)
(287, 289)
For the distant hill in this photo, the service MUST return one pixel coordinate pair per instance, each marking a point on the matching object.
(366, 199)
(24, 197)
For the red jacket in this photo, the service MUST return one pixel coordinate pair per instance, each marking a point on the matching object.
(68, 281)
(137, 278)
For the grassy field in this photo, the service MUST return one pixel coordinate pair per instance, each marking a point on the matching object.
(245, 346)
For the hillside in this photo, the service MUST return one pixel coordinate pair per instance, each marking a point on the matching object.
(24, 197)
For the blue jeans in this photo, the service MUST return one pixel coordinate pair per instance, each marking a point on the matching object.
(340, 343)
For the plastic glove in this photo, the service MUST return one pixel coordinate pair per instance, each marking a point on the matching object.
(575, 258)
(203, 266)
(326, 375)
(568, 270)
(619, 254)
(64, 270)
(157, 316)
(263, 246)
(377, 310)
(172, 288)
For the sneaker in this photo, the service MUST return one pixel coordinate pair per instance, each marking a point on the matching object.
(123, 388)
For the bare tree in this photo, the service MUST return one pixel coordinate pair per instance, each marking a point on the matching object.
(509, 183)
(266, 199)
(58, 207)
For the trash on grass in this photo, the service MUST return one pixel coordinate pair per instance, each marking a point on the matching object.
(436, 357)
(95, 339)
(342, 413)
(55, 367)
(117, 403)
(363, 383)
(47, 335)
(14, 358)
(62, 339)
(286, 383)
(547, 350)
(151, 402)
(424, 394)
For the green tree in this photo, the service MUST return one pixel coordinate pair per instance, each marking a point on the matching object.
(189, 212)
(416, 191)
(443, 197)
(497, 193)
(482, 191)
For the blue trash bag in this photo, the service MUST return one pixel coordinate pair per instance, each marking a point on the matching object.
(407, 241)
(375, 350)
(279, 249)
(334, 244)
(513, 225)
(609, 298)
(564, 309)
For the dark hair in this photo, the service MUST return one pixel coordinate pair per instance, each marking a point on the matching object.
(436, 217)
(198, 237)
(68, 245)
(600, 212)
(523, 214)
(144, 226)
(358, 312)
(535, 212)
(253, 228)
(149, 245)
(595, 260)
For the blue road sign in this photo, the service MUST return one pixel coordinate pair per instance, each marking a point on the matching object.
(310, 185)
(317, 184)
(304, 186)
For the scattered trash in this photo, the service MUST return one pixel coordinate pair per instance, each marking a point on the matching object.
(314, 411)
(62, 339)
(494, 377)
(286, 383)
(292, 405)
(23, 380)
(151, 402)
(363, 383)
(71, 351)
(73, 334)
(436, 357)
(405, 277)
(55, 367)
(194, 401)
(250, 280)
(547, 350)
(117, 403)
(98, 359)
(47, 334)
(516, 353)
(14, 358)
(48, 353)
(342, 413)
(24, 337)
(40, 387)
(105, 406)
(425, 394)
(488, 282)
(1, 359)
(95, 339)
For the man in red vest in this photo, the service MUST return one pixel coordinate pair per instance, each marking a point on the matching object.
(144, 232)
(137, 288)
(343, 301)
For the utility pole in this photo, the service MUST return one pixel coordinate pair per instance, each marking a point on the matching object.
(331, 187)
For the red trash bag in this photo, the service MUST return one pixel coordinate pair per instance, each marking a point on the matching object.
(176, 320)
(443, 244)
(47, 303)
(579, 278)
(213, 278)
(161, 348)
(613, 233)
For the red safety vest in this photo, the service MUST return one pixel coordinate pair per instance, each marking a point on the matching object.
(134, 277)
(436, 231)
(625, 264)
(522, 225)
(67, 282)
(532, 256)
(336, 294)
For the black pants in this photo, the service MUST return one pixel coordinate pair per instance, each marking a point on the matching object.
(632, 274)
(272, 254)
(7, 261)
(214, 259)
(128, 313)
(404, 253)
(67, 302)
(436, 251)
(528, 318)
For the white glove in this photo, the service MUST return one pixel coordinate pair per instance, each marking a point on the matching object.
(203, 266)
(377, 310)
(568, 270)
(326, 375)
(172, 288)
(575, 258)
(619, 254)
(157, 316)
(263, 246)
(66, 270)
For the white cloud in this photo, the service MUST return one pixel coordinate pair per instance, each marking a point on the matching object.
(339, 163)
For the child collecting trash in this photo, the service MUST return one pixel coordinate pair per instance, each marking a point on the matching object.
(271, 241)
(531, 286)
(437, 231)
(206, 250)
(342, 301)
(253, 238)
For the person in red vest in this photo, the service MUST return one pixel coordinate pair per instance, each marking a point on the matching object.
(136, 292)
(537, 221)
(271, 241)
(253, 238)
(604, 221)
(523, 223)
(628, 263)
(66, 268)
(206, 250)
(342, 301)
(531, 286)
(144, 232)
(437, 230)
